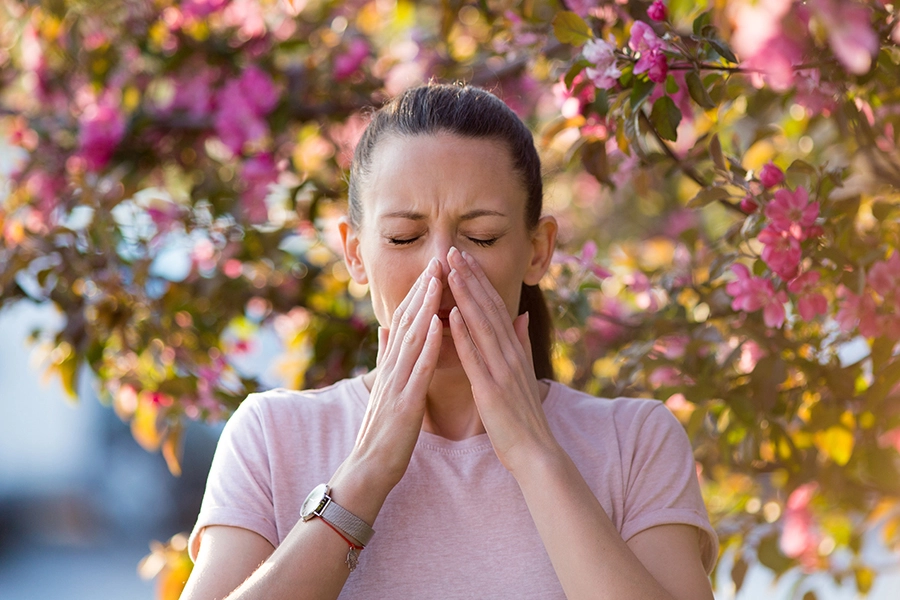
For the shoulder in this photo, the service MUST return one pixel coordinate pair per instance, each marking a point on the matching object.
(569, 404)
(342, 395)
(280, 409)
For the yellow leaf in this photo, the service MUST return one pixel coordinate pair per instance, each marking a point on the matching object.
(836, 442)
(144, 427)
(172, 449)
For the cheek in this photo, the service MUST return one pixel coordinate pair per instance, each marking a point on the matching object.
(390, 280)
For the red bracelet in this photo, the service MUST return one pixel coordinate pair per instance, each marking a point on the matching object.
(352, 559)
(344, 537)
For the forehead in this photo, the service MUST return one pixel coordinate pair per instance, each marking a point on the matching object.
(442, 174)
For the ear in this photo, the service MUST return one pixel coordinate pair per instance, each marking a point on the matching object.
(352, 255)
(543, 242)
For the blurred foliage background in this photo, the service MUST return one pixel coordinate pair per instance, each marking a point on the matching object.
(724, 172)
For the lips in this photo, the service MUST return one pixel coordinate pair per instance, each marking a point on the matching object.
(444, 315)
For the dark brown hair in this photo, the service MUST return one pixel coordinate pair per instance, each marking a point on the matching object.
(471, 112)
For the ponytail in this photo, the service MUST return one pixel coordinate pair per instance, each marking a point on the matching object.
(540, 327)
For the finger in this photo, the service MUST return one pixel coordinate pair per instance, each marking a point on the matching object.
(487, 320)
(471, 359)
(411, 341)
(521, 326)
(426, 363)
(405, 313)
(382, 345)
(483, 292)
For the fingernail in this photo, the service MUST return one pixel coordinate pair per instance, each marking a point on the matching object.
(527, 318)
(466, 256)
(432, 264)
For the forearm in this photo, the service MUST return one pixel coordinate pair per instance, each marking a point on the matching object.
(311, 561)
(589, 556)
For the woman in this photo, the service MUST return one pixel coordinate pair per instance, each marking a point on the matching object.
(483, 477)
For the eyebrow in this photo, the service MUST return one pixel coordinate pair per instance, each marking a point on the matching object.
(415, 216)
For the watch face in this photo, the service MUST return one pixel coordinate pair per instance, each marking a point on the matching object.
(313, 501)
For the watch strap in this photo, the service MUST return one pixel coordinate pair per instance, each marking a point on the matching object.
(347, 522)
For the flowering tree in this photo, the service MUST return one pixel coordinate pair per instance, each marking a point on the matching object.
(725, 178)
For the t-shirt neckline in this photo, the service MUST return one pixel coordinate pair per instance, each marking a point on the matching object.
(476, 443)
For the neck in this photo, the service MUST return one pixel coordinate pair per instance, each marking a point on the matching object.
(450, 410)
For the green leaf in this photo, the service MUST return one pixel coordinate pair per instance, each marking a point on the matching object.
(801, 167)
(723, 50)
(700, 22)
(881, 209)
(640, 91)
(593, 156)
(577, 67)
(738, 572)
(698, 91)
(571, 29)
(665, 116)
(708, 196)
(770, 555)
(715, 152)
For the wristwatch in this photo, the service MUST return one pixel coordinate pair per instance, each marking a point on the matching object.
(320, 504)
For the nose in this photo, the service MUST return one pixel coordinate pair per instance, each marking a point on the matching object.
(440, 250)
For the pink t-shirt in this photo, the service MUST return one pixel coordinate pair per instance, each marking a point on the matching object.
(456, 526)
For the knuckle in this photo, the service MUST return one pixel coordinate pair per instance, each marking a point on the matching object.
(484, 324)
(406, 319)
(411, 338)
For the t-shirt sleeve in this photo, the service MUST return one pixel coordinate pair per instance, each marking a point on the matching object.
(661, 485)
(239, 488)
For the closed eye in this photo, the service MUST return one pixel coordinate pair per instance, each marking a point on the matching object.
(484, 242)
(402, 241)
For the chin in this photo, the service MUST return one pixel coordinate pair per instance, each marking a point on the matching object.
(448, 358)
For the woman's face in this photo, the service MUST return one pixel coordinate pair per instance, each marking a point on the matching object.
(425, 194)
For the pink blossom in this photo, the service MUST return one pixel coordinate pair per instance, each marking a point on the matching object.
(750, 293)
(858, 311)
(657, 11)
(586, 260)
(748, 204)
(349, 62)
(667, 376)
(774, 63)
(257, 173)
(672, 346)
(781, 251)
(890, 438)
(247, 16)
(194, 93)
(649, 47)
(810, 303)
(657, 66)
(850, 33)
(203, 255)
(884, 276)
(581, 7)
(604, 74)
(572, 100)
(755, 23)
(751, 353)
(198, 9)
(799, 538)
(792, 208)
(101, 128)
(243, 104)
(45, 189)
(643, 38)
(770, 175)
